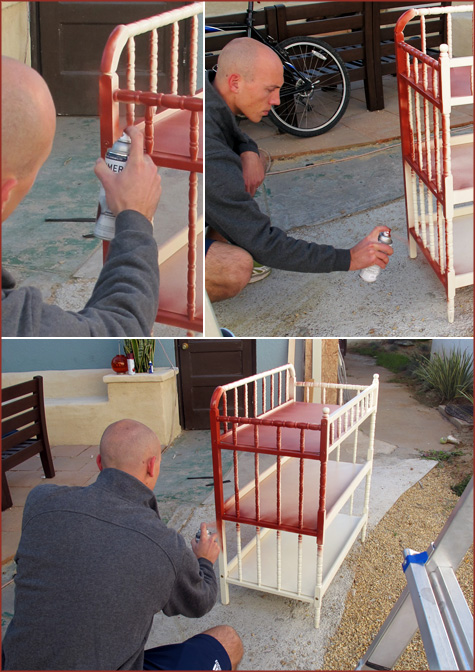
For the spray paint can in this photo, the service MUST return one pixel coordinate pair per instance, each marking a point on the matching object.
(116, 158)
(371, 273)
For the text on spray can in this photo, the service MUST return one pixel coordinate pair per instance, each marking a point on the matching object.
(115, 158)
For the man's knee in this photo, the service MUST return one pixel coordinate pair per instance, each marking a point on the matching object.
(243, 266)
(228, 270)
(230, 640)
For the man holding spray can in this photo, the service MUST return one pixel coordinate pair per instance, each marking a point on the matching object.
(125, 298)
(247, 82)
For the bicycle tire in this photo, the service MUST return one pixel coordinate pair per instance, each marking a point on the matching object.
(306, 113)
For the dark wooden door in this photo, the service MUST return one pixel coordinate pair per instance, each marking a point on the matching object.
(204, 364)
(68, 39)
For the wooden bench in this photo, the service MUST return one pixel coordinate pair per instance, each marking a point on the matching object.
(24, 431)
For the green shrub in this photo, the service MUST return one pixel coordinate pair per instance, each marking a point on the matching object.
(449, 375)
(458, 488)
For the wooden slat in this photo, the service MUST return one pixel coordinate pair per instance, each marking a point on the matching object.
(18, 390)
(24, 451)
(21, 436)
(19, 421)
(19, 405)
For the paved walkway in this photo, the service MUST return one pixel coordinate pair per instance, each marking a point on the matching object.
(274, 629)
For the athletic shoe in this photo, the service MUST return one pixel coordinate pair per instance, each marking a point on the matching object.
(259, 272)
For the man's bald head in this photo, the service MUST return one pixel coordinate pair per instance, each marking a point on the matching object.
(245, 57)
(28, 125)
(249, 77)
(129, 445)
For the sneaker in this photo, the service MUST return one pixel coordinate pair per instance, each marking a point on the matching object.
(259, 272)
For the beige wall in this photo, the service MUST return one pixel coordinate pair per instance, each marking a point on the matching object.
(16, 41)
(79, 405)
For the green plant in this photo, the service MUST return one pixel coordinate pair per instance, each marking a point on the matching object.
(467, 395)
(458, 488)
(143, 350)
(394, 361)
(441, 455)
(449, 375)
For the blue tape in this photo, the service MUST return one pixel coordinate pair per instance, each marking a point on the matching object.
(417, 558)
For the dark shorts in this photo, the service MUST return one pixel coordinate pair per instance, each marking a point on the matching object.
(201, 652)
(208, 243)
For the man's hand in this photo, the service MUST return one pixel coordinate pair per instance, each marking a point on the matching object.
(138, 186)
(252, 171)
(207, 547)
(370, 252)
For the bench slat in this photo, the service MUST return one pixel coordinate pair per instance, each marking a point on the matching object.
(19, 405)
(18, 421)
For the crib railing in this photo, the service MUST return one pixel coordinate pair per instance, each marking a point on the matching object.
(123, 37)
(429, 88)
(158, 107)
(256, 394)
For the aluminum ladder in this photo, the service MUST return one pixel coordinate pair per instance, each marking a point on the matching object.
(432, 601)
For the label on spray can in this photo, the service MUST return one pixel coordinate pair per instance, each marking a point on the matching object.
(115, 158)
(371, 273)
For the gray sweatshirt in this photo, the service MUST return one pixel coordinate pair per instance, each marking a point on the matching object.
(94, 566)
(233, 213)
(124, 301)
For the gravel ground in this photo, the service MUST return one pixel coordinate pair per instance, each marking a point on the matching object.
(413, 522)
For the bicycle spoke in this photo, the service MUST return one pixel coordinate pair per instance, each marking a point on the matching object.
(313, 102)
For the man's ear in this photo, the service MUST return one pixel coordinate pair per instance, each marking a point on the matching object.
(7, 186)
(153, 467)
(99, 463)
(234, 83)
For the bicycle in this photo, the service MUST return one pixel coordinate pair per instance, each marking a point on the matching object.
(316, 88)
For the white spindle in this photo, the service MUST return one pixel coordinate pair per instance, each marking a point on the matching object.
(239, 550)
(174, 58)
(130, 107)
(299, 564)
(258, 556)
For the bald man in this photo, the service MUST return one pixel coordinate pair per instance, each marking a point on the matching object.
(248, 80)
(125, 298)
(96, 563)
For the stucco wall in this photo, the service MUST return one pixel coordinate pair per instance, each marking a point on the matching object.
(79, 405)
(16, 41)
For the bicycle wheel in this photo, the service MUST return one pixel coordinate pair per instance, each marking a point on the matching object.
(308, 109)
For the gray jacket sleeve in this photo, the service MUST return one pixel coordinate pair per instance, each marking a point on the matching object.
(124, 300)
(233, 213)
(246, 144)
(195, 589)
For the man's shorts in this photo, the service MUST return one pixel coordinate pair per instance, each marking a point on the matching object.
(201, 652)
(208, 243)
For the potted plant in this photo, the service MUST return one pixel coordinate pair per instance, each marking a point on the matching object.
(143, 350)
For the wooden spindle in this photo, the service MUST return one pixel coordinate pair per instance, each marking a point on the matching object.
(193, 54)
(174, 58)
(130, 107)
